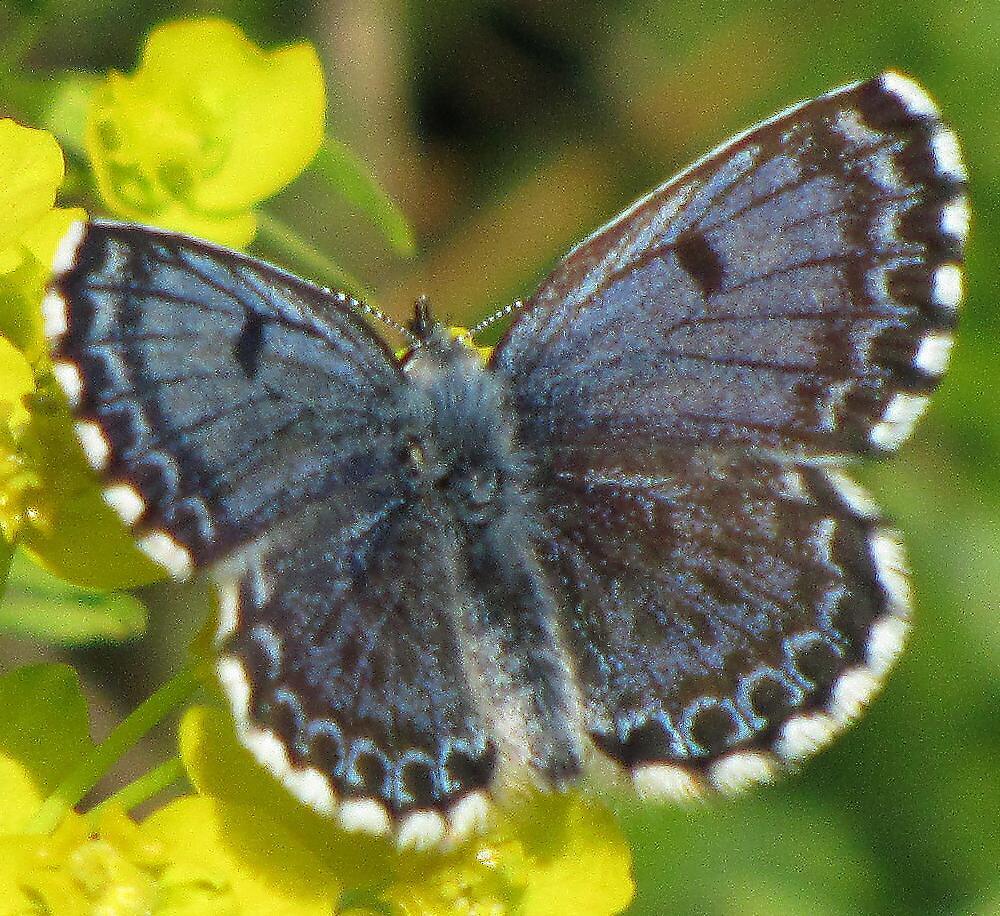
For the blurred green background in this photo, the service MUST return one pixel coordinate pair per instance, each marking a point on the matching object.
(508, 130)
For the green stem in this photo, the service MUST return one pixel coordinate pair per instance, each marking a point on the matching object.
(89, 771)
(349, 177)
(143, 788)
(282, 237)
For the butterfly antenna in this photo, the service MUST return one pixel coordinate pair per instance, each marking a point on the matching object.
(515, 306)
(379, 315)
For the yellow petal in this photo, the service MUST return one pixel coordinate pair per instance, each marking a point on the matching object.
(16, 382)
(68, 512)
(216, 869)
(579, 861)
(208, 126)
(31, 170)
(42, 237)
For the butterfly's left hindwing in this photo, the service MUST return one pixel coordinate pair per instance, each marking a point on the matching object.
(214, 393)
(342, 657)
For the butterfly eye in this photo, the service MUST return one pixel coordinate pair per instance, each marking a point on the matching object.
(481, 486)
(415, 455)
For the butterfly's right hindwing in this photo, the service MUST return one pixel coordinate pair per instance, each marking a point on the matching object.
(726, 618)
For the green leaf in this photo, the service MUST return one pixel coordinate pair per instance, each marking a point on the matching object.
(6, 554)
(66, 112)
(352, 180)
(43, 733)
(37, 605)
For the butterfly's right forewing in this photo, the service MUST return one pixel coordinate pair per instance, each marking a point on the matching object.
(794, 290)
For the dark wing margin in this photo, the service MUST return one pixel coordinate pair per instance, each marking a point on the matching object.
(341, 660)
(214, 393)
(725, 619)
(796, 289)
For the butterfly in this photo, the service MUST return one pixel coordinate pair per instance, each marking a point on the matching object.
(624, 544)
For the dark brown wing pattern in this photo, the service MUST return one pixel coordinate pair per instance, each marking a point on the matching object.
(727, 603)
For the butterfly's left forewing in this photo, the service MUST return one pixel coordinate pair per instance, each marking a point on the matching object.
(215, 394)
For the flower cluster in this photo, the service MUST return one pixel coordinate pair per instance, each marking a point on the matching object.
(206, 128)
(240, 844)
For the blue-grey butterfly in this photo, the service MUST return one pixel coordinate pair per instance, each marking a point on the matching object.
(623, 544)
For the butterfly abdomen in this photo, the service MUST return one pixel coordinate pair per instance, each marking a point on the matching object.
(473, 472)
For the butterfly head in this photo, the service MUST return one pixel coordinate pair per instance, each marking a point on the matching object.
(451, 419)
(436, 342)
(423, 324)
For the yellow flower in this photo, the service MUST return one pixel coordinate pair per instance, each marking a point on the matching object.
(105, 867)
(184, 859)
(206, 128)
(561, 854)
(179, 861)
(33, 170)
(49, 499)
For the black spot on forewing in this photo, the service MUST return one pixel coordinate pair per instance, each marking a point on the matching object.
(700, 260)
(250, 344)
